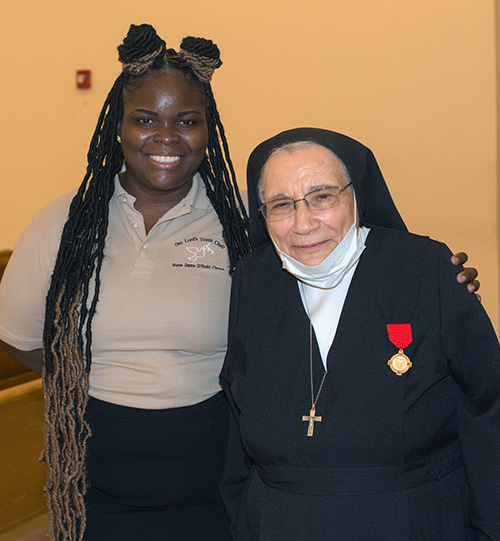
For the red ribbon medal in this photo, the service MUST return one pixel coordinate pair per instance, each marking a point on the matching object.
(400, 336)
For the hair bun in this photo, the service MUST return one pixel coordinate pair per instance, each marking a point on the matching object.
(202, 55)
(140, 49)
(201, 47)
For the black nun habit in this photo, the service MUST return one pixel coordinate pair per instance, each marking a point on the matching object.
(407, 456)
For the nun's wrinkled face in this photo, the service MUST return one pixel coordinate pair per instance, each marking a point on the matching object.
(307, 235)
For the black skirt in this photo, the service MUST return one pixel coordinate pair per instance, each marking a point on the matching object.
(155, 474)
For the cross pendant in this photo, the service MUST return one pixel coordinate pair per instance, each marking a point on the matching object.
(312, 419)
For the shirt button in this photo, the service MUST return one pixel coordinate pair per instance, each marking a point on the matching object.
(145, 247)
(135, 226)
(124, 199)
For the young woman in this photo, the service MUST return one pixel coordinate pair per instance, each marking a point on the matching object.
(123, 289)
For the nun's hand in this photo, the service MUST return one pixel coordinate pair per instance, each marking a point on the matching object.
(468, 275)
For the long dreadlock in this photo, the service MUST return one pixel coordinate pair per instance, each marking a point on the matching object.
(74, 290)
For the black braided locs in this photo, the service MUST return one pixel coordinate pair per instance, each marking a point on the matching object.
(142, 50)
(82, 240)
(74, 290)
(203, 48)
(219, 177)
(68, 318)
(217, 171)
(138, 43)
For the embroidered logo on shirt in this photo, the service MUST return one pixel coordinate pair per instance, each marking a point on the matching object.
(198, 253)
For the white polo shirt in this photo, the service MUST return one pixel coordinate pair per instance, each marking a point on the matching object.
(159, 333)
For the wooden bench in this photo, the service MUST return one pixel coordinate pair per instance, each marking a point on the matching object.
(13, 373)
(22, 476)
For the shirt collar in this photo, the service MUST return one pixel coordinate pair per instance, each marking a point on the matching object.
(196, 197)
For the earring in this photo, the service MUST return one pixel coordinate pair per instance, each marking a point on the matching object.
(119, 139)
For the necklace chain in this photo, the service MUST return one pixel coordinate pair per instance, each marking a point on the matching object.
(313, 400)
(309, 315)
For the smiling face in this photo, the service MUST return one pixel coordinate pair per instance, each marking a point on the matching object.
(307, 236)
(163, 137)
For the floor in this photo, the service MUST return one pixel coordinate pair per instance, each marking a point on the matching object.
(34, 530)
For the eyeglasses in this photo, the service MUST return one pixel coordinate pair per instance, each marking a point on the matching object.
(319, 199)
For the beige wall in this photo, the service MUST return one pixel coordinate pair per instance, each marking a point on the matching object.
(413, 80)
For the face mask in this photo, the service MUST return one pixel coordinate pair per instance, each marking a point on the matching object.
(332, 270)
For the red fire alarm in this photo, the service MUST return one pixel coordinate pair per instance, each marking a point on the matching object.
(83, 79)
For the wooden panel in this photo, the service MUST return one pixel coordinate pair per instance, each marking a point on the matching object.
(21, 443)
(10, 368)
(17, 380)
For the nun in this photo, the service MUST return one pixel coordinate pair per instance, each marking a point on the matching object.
(364, 381)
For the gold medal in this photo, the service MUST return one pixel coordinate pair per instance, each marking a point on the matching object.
(399, 363)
